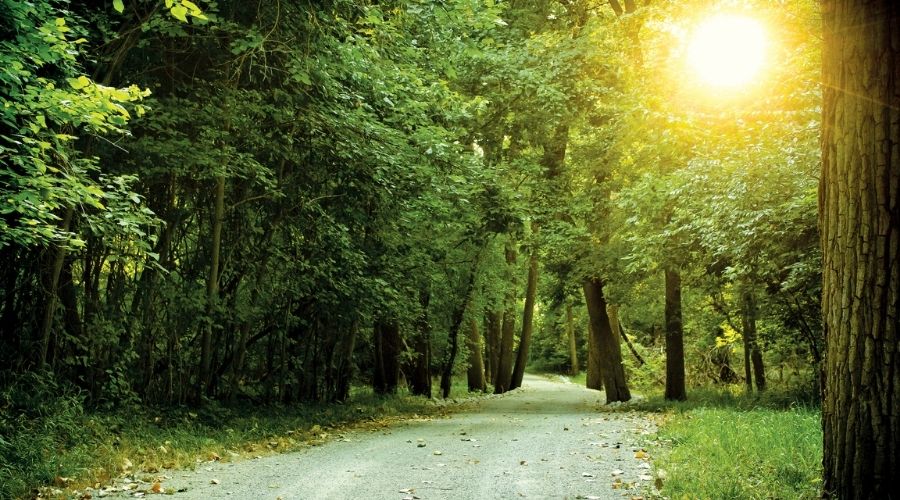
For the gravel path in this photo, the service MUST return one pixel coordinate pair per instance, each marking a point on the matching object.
(549, 439)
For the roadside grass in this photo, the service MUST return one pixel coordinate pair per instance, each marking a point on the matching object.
(721, 444)
(60, 450)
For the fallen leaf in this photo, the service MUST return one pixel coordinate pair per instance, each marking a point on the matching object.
(645, 477)
(156, 488)
(438, 452)
(214, 481)
(523, 462)
(586, 474)
(640, 455)
(618, 472)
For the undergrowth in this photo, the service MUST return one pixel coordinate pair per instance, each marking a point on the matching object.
(49, 443)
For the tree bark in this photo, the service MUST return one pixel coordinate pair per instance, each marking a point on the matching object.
(859, 207)
(212, 285)
(675, 389)
(56, 266)
(527, 323)
(751, 343)
(456, 325)
(387, 357)
(608, 346)
(420, 376)
(503, 377)
(594, 378)
(573, 347)
(494, 333)
(475, 373)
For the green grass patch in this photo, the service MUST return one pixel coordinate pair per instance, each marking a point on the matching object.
(51, 442)
(722, 445)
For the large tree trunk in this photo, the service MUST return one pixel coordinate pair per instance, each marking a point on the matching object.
(608, 346)
(859, 202)
(675, 389)
(752, 352)
(573, 347)
(527, 323)
(503, 377)
(475, 373)
(594, 376)
(344, 365)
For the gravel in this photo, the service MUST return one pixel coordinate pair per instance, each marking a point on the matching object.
(549, 439)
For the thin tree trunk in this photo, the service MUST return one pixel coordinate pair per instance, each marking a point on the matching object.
(751, 344)
(345, 365)
(387, 355)
(608, 346)
(475, 373)
(53, 284)
(420, 376)
(675, 383)
(495, 333)
(527, 323)
(573, 347)
(503, 376)
(212, 285)
(456, 325)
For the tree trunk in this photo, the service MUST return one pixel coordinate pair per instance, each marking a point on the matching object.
(594, 378)
(608, 346)
(456, 324)
(751, 344)
(56, 266)
(503, 377)
(387, 357)
(345, 365)
(475, 374)
(420, 370)
(494, 334)
(212, 285)
(527, 323)
(573, 347)
(859, 207)
(675, 389)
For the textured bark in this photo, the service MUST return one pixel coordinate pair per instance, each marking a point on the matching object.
(456, 324)
(573, 346)
(752, 352)
(503, 376)
(859, 207)
(594, 379)
(675, 389)
(475, 373)
(527, 324)
(608, 349)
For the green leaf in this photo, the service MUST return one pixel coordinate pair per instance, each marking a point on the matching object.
(79, 83)
(179, 12)
(119, 6)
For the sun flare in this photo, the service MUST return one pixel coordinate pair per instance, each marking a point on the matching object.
(727, 50)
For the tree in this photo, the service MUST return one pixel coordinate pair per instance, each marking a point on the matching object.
(859, 203)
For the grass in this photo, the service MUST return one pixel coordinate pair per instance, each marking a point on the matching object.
(722, 445)
(63, 450)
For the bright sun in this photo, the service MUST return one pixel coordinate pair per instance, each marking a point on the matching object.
(727, 50)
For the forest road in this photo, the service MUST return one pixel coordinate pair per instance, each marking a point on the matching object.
(549, 439)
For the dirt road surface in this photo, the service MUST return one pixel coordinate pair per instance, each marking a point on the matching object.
(549, 439)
